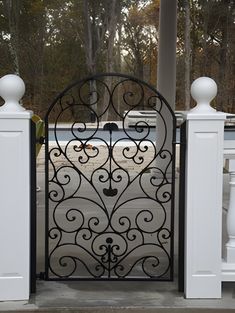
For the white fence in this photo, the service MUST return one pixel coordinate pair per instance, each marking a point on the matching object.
(228, 262)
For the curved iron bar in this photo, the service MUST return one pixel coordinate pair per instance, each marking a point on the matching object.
(65, 155)
(78, 259)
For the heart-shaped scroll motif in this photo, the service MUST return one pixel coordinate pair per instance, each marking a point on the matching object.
(113, 164)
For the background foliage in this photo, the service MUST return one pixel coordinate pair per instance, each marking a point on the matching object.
(50, 43)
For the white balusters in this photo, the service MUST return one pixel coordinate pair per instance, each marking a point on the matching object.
(230, 245)
(228, 265)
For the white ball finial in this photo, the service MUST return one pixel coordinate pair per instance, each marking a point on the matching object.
(203, 91)
(12, 89)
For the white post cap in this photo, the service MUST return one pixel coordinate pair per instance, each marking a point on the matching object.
(12, 89)
(203, 91)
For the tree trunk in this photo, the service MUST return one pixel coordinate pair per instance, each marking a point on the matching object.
(112, 25)
(206, 12)
(119, 60)
(12, 10)
(39, 64)
(223, 64)
(88, 39)
(90, 59)
(187, 58)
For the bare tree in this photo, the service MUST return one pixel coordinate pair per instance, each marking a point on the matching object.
(223, 57)
(12, 11)
(90, 54)
(187, 58)
(100, 24)
(94, 41)
(111, 29)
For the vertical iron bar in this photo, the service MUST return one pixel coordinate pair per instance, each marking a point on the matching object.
(109, 260)
(110, 156)
(33, 206)
(181, 208)
(173, 199)
(46, 200)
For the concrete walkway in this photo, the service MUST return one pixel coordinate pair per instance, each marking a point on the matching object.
(117, 297)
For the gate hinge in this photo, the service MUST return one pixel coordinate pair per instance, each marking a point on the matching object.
(40, 140)
(41, 276)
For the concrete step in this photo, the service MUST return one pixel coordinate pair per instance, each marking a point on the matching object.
(117, 297)
(123, 310)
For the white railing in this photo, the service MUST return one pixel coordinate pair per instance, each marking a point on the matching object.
(228, 263)
(149, 117)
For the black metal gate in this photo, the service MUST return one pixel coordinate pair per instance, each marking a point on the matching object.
(110, 181)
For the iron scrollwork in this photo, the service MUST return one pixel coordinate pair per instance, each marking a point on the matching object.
(110, 200)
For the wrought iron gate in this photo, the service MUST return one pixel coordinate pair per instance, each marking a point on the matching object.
(109, 182)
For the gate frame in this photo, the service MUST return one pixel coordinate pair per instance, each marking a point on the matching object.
(45, 275)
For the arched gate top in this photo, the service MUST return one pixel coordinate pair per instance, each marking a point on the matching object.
(123, 78)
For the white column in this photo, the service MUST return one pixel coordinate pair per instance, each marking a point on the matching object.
(166, 66)
(14, 191)
(166, 69)
(204, 169)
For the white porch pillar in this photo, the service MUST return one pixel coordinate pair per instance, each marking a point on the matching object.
(14, 192)
(166, 65)
(166, 68)
(204, 170)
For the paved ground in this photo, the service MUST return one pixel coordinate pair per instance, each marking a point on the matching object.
(117, 297)
(102, 297)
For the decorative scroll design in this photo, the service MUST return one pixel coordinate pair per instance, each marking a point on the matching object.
(110, 186)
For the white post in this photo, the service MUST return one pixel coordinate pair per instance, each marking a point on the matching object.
(14, 191)
(204, 169)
